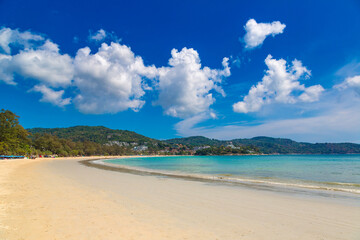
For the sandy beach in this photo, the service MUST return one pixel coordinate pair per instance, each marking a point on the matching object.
(63, 199)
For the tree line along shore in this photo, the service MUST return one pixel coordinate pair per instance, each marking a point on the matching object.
(98, 140)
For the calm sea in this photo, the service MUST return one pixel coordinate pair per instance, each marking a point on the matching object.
(331, 172)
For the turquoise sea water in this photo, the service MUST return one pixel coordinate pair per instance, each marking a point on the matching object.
(332, 172)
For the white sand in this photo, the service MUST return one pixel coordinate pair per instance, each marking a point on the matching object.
(61, 199)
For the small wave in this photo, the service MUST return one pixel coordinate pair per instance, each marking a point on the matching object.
(300, 185)
(330, 186)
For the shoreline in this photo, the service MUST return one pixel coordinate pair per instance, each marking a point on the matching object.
(255, 183)
(157, 155)
(45, 199)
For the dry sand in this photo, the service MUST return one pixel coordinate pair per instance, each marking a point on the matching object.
(61, 199)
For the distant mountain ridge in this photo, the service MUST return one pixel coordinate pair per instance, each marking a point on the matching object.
(266, 145)
(269, 145)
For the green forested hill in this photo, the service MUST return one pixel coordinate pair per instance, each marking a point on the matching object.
(97, 134)
(284, 146)
(195, 141)
(268, 145)
(86, 140)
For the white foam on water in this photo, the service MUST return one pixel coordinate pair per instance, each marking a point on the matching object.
(317, 186)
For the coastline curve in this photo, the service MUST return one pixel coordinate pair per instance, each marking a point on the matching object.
(252, 183)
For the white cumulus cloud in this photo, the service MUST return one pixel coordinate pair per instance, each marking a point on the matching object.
(100, 35)
(44, 64)
(280, 84)
(51, 96)
(6, 74)
(110, 80)
(16, 38)
(350, 83)
(257, 32)
(186, 88)
(37, 59)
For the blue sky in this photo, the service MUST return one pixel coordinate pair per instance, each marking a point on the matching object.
(229, 69)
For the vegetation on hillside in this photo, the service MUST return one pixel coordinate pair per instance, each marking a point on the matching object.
(96, 134)
(86, 140)
(223, 150)
(13, 137)
(268, 145)
(196, 141)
